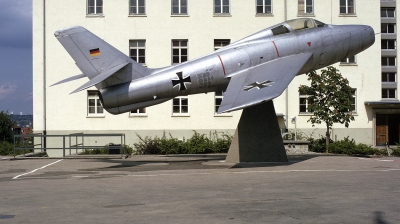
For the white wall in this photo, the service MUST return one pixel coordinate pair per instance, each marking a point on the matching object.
(66, 112)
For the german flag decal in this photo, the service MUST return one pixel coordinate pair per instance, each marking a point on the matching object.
(94, 52)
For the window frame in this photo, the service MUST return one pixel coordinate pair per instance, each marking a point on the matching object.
(220, 43)
(264, 5)
(141, 112)
(179, 48)
(137, 8)
(138, 48)
(179, 7)
(387, 59)
(95, 7)
(307, 104)
(218, 95)
(180, 105)
(304, 11)
(94, 95)
(386, 12)
(349, 61)
(385, 42)
(354, 96)
(221, 5)
(388, 93)
(388, 78)
(347, 7)
(387, 28)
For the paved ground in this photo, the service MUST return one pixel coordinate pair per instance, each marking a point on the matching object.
(200, 189)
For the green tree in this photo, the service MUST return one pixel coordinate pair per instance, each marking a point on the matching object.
(329, 98)
(6, 125)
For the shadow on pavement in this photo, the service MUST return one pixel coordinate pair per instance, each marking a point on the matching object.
(186, 162)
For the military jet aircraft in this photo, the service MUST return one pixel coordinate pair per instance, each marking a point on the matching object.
(252, 70)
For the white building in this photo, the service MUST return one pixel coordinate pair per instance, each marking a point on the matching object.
(158, 33)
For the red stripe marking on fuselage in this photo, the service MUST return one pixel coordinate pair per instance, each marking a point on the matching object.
(277, 52)
(223, 67)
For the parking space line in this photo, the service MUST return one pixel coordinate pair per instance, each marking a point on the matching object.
(37, 169)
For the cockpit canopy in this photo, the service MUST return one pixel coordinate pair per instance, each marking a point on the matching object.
(297, 24)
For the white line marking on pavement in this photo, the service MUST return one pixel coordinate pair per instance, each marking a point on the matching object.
(258, 171)
(381, 160)
(36, 169)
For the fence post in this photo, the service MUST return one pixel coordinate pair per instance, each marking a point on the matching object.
(63, 145)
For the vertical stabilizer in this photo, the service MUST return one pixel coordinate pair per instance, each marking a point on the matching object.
(93, 55)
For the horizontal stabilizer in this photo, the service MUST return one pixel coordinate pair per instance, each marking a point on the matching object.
(100, 77)
(70, 79)
(261, 83)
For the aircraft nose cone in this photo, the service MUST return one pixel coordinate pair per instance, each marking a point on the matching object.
(369, 36)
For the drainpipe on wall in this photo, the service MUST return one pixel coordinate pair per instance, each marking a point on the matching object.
(44, 76)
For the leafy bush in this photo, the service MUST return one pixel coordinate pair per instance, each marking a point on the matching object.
(6, 148)
(363, 149)
(197, 144)
(396, 151)
(105, 150)
(318, 145)
(344, 146)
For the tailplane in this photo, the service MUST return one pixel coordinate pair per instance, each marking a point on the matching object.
(103, 64)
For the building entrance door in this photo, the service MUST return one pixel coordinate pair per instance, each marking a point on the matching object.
(387, 129)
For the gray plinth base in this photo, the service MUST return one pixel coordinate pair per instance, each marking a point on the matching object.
(257, 137)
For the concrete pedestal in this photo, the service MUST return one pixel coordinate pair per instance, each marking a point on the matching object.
(257, 137)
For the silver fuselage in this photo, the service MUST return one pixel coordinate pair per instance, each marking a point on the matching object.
(328, 44)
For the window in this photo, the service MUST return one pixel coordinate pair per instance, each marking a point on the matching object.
(387, 12)
(347, 6)
(179, 51)
(219, 95)
(387, 28)
(280, 30)
(388, 44)
(95, 7)
(94, 104)
(137, 51)
(179, 7)
(388, 77)
(137, 7)
(220, 43)
(388, 93)
(388, 61)
(180, 105)
(264, 7)
(354, 100)
(138, 112)
(304, 103)
(349, 60)
(221, 7)
(306, 7)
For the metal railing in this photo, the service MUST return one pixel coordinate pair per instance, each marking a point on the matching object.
(72, 145)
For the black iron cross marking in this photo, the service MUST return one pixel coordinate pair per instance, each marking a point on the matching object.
(181, 81)
(257, 85)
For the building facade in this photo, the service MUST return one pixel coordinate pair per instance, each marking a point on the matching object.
(161, 33)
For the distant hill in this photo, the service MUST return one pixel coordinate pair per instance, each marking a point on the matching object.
(22, 120)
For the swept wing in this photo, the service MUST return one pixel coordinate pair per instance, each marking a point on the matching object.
(261, 83)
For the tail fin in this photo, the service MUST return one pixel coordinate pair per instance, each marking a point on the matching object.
(97, 59)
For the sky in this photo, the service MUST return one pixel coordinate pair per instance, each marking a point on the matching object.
(16, 56)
